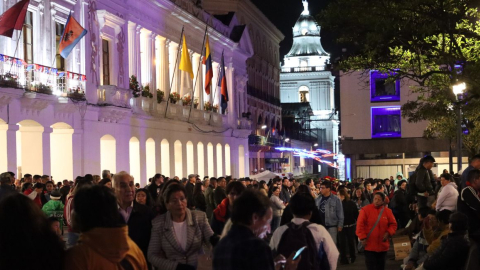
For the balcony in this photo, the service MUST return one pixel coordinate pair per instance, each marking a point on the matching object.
(302, 69)
(266, 141)
(258, 93)
(15, 73)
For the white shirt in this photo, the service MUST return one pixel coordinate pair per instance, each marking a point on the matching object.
(180, 229)
(447, 198)
(320, 234)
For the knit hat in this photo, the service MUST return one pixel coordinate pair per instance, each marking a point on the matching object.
(55, 195)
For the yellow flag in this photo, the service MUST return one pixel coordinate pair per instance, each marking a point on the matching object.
(185, 63)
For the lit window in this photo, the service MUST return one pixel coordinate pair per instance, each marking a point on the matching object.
(382, 89)
(106, 62)
(386, 122)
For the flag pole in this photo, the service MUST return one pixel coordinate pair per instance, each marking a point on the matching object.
(215, 92)
(198, 70)
(174, 71)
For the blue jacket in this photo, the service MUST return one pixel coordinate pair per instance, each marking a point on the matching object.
(333, 211)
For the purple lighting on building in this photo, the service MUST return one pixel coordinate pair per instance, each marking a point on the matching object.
(380, 90)
(386, 122)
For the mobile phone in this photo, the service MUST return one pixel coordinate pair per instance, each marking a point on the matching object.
(297, 254)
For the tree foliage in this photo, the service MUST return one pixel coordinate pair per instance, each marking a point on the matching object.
(434, 43)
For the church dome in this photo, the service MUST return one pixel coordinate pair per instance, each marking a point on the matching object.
(306, 26)
(306, 36)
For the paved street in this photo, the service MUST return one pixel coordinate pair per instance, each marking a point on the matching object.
(360, 263)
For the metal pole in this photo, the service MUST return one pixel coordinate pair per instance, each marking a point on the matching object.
(450, 157)
(459, 139)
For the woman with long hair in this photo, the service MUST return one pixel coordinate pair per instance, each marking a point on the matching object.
(142, 196)
(222, 213)
(199, 198)
(26, 232)
(347, 236)
(360, 199)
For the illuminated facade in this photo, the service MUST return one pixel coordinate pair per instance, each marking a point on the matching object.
(69, 117)
(305, 78)
(263, 108)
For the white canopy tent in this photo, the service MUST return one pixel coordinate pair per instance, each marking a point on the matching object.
(265, 176)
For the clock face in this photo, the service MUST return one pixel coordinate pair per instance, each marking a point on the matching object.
(304, 31)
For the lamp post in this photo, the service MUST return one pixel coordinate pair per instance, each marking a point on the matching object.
(458, 90)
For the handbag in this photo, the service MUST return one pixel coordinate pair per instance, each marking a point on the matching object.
(360, 247)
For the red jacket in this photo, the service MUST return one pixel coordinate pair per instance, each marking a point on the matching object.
(367, 218)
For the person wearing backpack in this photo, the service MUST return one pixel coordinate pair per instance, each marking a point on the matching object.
(423, 180)
(321, 252)
(375, 225)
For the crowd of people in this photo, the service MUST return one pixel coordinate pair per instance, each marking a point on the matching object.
(226, 223)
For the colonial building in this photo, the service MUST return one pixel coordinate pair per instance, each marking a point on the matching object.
(305, 78)
(376, 141)
(73, 116)
(263, 86)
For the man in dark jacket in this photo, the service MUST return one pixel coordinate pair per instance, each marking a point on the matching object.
(189, 187)
(220, 193)
(286, 193)
(423, 180)
(154, 187)
(138, 217)
(209, 198)
(469, 204)
(474, 164)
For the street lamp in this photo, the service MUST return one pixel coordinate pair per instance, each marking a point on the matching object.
(264, 126)
(459, 90)
(287, 139)
(316, 144)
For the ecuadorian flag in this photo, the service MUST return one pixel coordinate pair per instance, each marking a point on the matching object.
(207, 61)
(222, 82)
(71, 36)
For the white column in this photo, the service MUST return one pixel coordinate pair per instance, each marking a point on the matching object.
(12, 148)
(164, 71)
(138, 59)
(172, 57)
(143, 163)
(132, 55)
(47, 168)
(232, 105)
(146, 56)
(153, 70)
(198, 79)
(77, 146)
(123, 152)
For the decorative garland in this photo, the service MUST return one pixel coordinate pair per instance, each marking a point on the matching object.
(43, 69)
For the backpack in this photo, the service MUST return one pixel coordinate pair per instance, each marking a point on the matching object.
(295, 237)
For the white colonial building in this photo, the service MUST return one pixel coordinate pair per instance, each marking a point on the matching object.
(69, 117)
(305, 78)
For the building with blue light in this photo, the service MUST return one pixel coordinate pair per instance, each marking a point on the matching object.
(376, 140)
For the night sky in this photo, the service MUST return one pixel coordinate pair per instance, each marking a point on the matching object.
(284, 13)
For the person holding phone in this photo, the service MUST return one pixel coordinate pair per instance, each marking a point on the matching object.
(375, 225)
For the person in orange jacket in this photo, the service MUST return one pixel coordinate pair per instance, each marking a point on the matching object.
(376, 241)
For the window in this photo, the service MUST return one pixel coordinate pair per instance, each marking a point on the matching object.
(382, 89)
(386, 122)
(28, 38)
(106, 62)
(59, 60)
(304, 95)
